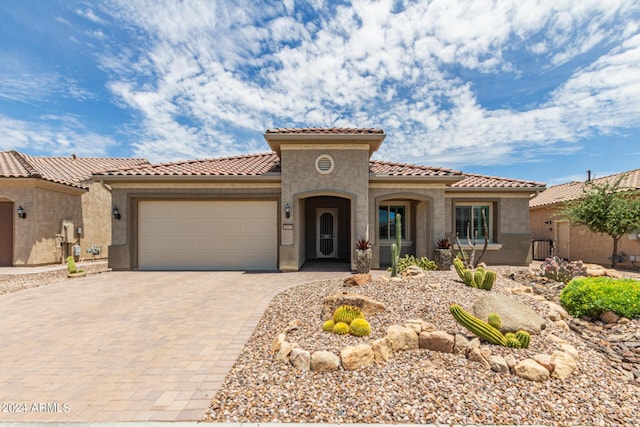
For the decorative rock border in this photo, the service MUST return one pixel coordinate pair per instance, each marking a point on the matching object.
(418, 334)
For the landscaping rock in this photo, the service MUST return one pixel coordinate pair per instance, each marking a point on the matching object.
(300, 359)
(413, 271)
(368, 305)
(609, 317)
(437, 341)
(357, 279)
(511, 361)
(277, 343)
(460, 344)
(515, 315)
(324, 361)
(473, 343)
(546, 361)
(284, 352)
(476, 355)
(356, 357)
(382, 350)
(557, 309)
(419, 325)
(498, 364)
(565, 364)
(402, 338)
(570, 350)
(531, 370)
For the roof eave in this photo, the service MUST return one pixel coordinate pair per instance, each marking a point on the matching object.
(494, 189)
(275, 140)
(373, 177)
(267, 177)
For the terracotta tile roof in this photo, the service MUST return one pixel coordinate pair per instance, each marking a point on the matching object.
(245, 165)
(331, 131)
(573, 190)
(485, 181)
(73, 171)
(403, 169)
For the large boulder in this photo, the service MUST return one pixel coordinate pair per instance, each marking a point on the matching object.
(356, 357)
(368, 305)
(514, 314)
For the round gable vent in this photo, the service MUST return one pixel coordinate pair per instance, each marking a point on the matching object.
(324, 164)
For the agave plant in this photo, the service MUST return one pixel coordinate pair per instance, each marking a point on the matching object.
(362, 244)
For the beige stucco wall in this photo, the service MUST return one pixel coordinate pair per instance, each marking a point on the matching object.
(349, 179)
(96, 221)
(46, 205)
(510, 222)
(126, 195)
(579, 243)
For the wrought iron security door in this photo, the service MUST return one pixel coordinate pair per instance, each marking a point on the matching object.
(327, 233)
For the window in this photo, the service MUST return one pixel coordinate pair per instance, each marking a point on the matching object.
(387, 221)
(469, 219)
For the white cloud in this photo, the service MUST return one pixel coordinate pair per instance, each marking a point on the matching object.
(54, 135)
(205, 71)
(89, 14)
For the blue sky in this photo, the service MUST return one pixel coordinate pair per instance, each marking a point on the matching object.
(532, 90)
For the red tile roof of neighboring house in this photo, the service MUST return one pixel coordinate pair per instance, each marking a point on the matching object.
(245, 165)
(573, 190)
(485, 181)
(331, 131)
(73, 171)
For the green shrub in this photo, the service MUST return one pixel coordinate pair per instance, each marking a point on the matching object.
(71, 265)
(422, 262)
(592, 296)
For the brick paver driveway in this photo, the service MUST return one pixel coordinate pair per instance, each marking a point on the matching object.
(128, 346)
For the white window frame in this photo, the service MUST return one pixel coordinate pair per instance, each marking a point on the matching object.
(474, 204)
(405, 220)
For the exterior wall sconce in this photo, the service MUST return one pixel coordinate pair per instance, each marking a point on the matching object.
(116, 213)
(287, 210)
(21, 213)
(548, 222)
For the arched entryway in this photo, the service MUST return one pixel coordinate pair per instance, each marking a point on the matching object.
(327, 228)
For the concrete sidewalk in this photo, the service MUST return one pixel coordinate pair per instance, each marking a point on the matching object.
(129, 346)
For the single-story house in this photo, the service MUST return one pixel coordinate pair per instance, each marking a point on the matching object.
(49, 205)
(576, 242)
(312, 197)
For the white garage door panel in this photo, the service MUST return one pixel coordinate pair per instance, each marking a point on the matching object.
(207, 235)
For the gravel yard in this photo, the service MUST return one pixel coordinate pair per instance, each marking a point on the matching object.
(418, 386)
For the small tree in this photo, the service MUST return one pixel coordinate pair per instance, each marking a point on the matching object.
(607, 209)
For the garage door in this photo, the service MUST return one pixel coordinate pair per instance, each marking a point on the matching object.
(207, 235)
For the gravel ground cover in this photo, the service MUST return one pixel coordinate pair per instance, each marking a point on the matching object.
(418, 386)
(14, 282)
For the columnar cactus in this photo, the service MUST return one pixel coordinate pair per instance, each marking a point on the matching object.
(481, 278)
(490, 331)
(478, 327)
(396, 247)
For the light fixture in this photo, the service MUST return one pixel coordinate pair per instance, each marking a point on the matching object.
(21, 213)
(116, 213)
(548, 222)
(287, 210)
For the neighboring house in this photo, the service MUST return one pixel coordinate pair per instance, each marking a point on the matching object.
(576, 242)
(311, 198)
(48, 205)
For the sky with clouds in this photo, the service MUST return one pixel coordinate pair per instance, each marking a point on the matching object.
(539, 90)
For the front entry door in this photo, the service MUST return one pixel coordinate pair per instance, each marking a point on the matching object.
(6, 234)
(327, 233)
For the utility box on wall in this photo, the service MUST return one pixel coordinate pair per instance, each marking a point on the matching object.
(68, 231)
